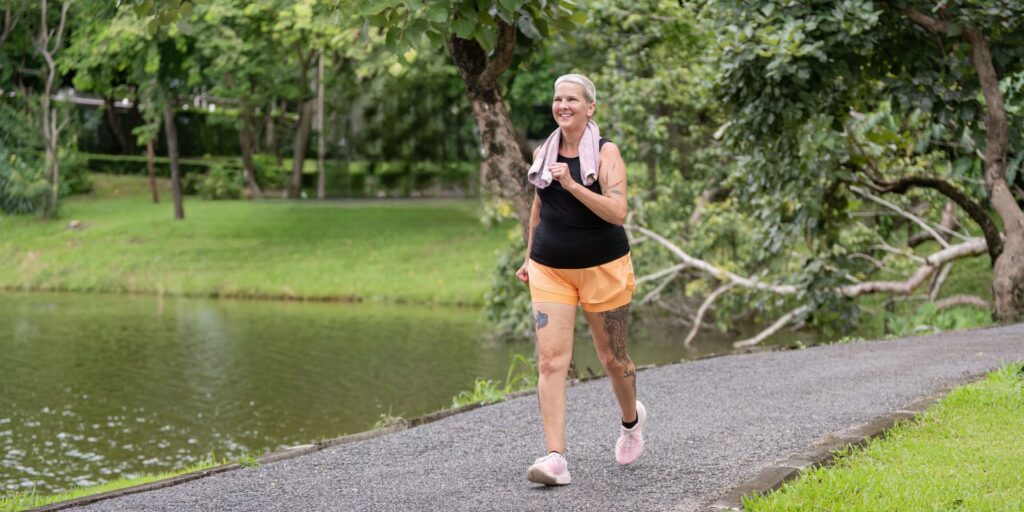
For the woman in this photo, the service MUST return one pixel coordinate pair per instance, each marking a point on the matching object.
(578, 254)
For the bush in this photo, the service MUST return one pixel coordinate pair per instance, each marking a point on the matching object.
(23, 184)
(74, 174)
(270, 175)
(507, 303)
(221, 183)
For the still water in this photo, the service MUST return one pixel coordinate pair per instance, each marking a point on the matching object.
(97, 387)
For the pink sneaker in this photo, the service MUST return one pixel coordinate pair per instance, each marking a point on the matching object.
(551, 469)
(631, 440)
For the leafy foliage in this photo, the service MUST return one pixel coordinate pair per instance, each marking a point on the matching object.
(221, 183)
(522, 375)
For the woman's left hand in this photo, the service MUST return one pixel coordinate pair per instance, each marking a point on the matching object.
(560, 173)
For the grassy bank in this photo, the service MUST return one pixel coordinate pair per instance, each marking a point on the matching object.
(433, 251)
(23, 501)
(965, 453)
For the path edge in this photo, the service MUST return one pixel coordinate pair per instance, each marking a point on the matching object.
(823, 453)
(292, 452)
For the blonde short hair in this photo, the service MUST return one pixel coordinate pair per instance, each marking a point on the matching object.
(589, 91)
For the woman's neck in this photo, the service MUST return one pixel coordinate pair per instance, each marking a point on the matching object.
(569, 144)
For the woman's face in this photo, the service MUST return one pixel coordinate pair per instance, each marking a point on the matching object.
(570, 106)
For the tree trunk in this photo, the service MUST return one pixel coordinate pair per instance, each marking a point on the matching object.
(127, 147)
(50, 128)
(1008, 271)
(503, 170)
(171, 132)
(151, 167)
(321, 147)
(269, 138)
(299, 145)
(246, 140)
(282, 117)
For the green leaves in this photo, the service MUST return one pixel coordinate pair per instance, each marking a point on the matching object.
(416, 23)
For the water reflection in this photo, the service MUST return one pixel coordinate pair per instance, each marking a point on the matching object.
(96, 387)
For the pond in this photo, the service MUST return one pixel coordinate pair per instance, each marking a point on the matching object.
(97, 387)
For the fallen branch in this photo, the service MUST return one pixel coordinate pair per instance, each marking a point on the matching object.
(779, 324)
(913, 218)
(718, 273)
(662, 272)
(961, 300)
(656, 292)
(704, 309)
(972, 248)
(928, 266)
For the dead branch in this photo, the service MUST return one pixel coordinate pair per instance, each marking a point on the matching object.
(656, 292)
(699, 318)
(962, 300)
(779, 324)
(928, 266)
(931, 263)
(665, 271)
(940, 279)
(913, 218)
(718, 273)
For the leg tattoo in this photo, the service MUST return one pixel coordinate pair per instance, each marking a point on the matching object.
(615, 328)
(540, 320)
(630, 374)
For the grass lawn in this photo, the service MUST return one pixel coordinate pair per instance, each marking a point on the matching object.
(429, 251)
(965, 453)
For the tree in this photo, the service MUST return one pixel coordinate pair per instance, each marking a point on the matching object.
(484, 40)
(787, 67)
(47, 42)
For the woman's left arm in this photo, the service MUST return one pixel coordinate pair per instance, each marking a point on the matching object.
(610, 204)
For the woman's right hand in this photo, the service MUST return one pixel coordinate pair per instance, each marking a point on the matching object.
(522, 273)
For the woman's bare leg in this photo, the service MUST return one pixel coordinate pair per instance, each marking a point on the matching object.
(609, 331)
(554, 324)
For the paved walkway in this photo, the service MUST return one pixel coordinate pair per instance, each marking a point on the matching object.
(713, 424)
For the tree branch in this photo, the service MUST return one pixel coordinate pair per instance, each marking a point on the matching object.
(718, 273)
(961, 300)
(914, 218)
(935, 25)
(973, 209)
(703, 309)
(974, 247)
(10, 21)
(779, 324)
(502, 58)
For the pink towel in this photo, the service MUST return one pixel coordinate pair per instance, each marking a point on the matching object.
(590, 157)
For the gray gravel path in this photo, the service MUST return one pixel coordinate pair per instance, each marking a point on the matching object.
(713, 423)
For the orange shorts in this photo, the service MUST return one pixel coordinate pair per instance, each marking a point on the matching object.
(601, 288)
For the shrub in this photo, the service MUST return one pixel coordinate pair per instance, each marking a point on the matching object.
(221, 183)
(23, 184)
(74, 174)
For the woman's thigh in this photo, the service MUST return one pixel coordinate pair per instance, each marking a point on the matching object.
(554, 324)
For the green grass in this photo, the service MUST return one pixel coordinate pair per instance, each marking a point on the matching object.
(965, 453)
(522, 375)
(22, 501)
(430, 251)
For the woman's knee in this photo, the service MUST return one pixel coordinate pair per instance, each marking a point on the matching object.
(550, 362)
(614, 364)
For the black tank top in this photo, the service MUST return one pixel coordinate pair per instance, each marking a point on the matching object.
(570, 235)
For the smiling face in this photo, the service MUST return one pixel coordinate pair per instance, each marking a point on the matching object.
(570, 106)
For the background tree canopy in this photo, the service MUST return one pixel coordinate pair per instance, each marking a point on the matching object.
(788, 159)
